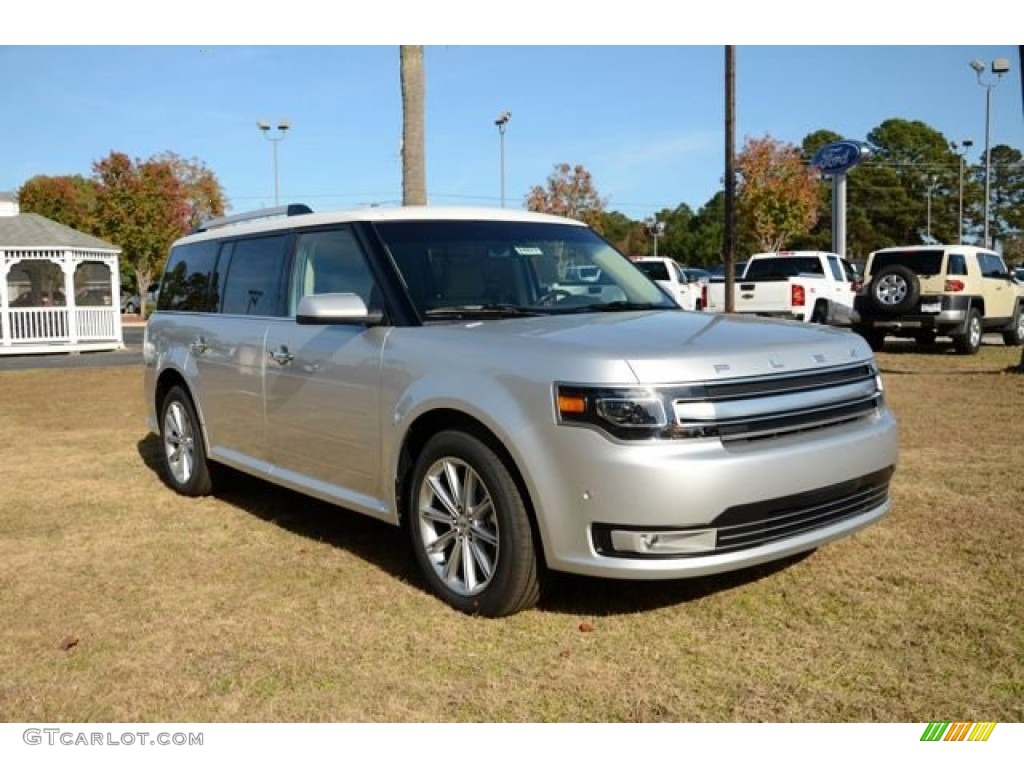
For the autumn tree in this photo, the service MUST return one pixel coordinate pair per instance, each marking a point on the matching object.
(68, 200)
(569, 192)
(777, 193)
(203, 192)
(142, 207)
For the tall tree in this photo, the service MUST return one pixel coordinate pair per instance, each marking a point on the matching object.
(777, 192)
(142, 207)
(203, 192)
(414, 176)
(569, 192)
(1007, 193)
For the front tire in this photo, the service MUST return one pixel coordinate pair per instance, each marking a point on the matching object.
(969, 342)
(1014, 337)
(470, 528)
(184, 453)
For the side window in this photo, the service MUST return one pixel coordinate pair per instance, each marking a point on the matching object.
(186, 283)
(991, 265)
(957, 264)
(836, 267)
(250, 279)
(331, 262)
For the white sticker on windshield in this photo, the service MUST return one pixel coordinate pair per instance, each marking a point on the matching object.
(529, 250)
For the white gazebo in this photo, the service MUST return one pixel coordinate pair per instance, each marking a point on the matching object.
(59, 288)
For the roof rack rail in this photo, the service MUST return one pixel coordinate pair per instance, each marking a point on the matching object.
(293, 209)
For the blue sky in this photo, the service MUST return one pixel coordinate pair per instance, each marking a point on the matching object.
(646, 120)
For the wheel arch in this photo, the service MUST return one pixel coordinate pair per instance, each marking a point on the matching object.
(437, 420)
(168, 379)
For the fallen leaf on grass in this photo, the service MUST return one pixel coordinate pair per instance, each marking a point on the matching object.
(68, 643)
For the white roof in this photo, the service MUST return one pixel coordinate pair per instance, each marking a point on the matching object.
(397, 213)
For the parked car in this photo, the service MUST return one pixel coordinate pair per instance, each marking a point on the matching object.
(131, 304)
(424, 366)
(670, 276)
(926, 291)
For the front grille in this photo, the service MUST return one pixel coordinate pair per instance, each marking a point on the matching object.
(764, 408)
(751, 525)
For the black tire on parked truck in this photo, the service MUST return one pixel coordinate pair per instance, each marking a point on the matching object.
(1014, 335)
(969, 341)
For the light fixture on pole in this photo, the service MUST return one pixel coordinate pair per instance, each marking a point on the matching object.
(964, 144)
(282, 127)
(999, 68)
(656, 229)
(502, 123)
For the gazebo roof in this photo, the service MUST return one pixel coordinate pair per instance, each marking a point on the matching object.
(30, 230)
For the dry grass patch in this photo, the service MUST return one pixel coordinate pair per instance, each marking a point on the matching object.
(262, 605)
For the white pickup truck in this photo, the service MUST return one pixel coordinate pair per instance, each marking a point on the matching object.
(670, 276)
(812, 286)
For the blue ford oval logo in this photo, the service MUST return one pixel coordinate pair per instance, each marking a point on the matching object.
(840, 156)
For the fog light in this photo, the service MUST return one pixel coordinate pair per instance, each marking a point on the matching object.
(665, 542)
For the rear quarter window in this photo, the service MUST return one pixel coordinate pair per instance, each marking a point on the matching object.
(186, 283)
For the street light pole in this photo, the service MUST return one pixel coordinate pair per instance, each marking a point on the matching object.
(502, 123)
(999, 68)
(657, 229)
(964, 144)
(282, 127)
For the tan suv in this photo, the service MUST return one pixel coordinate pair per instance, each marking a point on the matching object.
(925, 291)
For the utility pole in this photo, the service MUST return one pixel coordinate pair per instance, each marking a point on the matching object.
(729, 246)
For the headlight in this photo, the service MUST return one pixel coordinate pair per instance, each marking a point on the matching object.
(629, 413)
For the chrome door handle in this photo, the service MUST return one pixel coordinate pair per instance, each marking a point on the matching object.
(282, 356)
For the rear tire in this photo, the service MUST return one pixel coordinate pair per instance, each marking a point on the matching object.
(470, 528)
(820, 313)
(969, 342)
(184, 452)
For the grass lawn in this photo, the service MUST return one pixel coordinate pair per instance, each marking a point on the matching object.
(125, 602)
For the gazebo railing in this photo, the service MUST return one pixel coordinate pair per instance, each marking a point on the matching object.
(96, 322)
(52, 324)
(39, 324)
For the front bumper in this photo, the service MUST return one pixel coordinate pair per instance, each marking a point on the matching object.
(608, 497)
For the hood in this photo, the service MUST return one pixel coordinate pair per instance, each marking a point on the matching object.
(665, 347)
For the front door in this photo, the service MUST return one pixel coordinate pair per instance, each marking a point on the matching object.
(323, 381)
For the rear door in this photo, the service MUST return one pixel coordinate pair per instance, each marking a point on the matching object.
(246, 293)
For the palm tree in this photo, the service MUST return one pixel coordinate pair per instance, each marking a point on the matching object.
(414, 178)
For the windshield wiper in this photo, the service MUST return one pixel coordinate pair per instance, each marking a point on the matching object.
(623, 306)
(499, 310)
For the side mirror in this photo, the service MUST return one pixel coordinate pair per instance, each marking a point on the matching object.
(336, 309)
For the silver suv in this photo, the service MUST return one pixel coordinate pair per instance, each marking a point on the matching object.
(423, 366)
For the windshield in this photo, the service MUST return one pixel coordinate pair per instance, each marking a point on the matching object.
(513, 268)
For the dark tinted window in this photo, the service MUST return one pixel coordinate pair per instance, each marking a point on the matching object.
(783, 266)
(653, 269)
(186, 283)
(991, 265)
(921, 262)
(251, 280)
(957, 264)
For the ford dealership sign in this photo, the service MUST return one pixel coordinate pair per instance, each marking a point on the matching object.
(840, 156)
